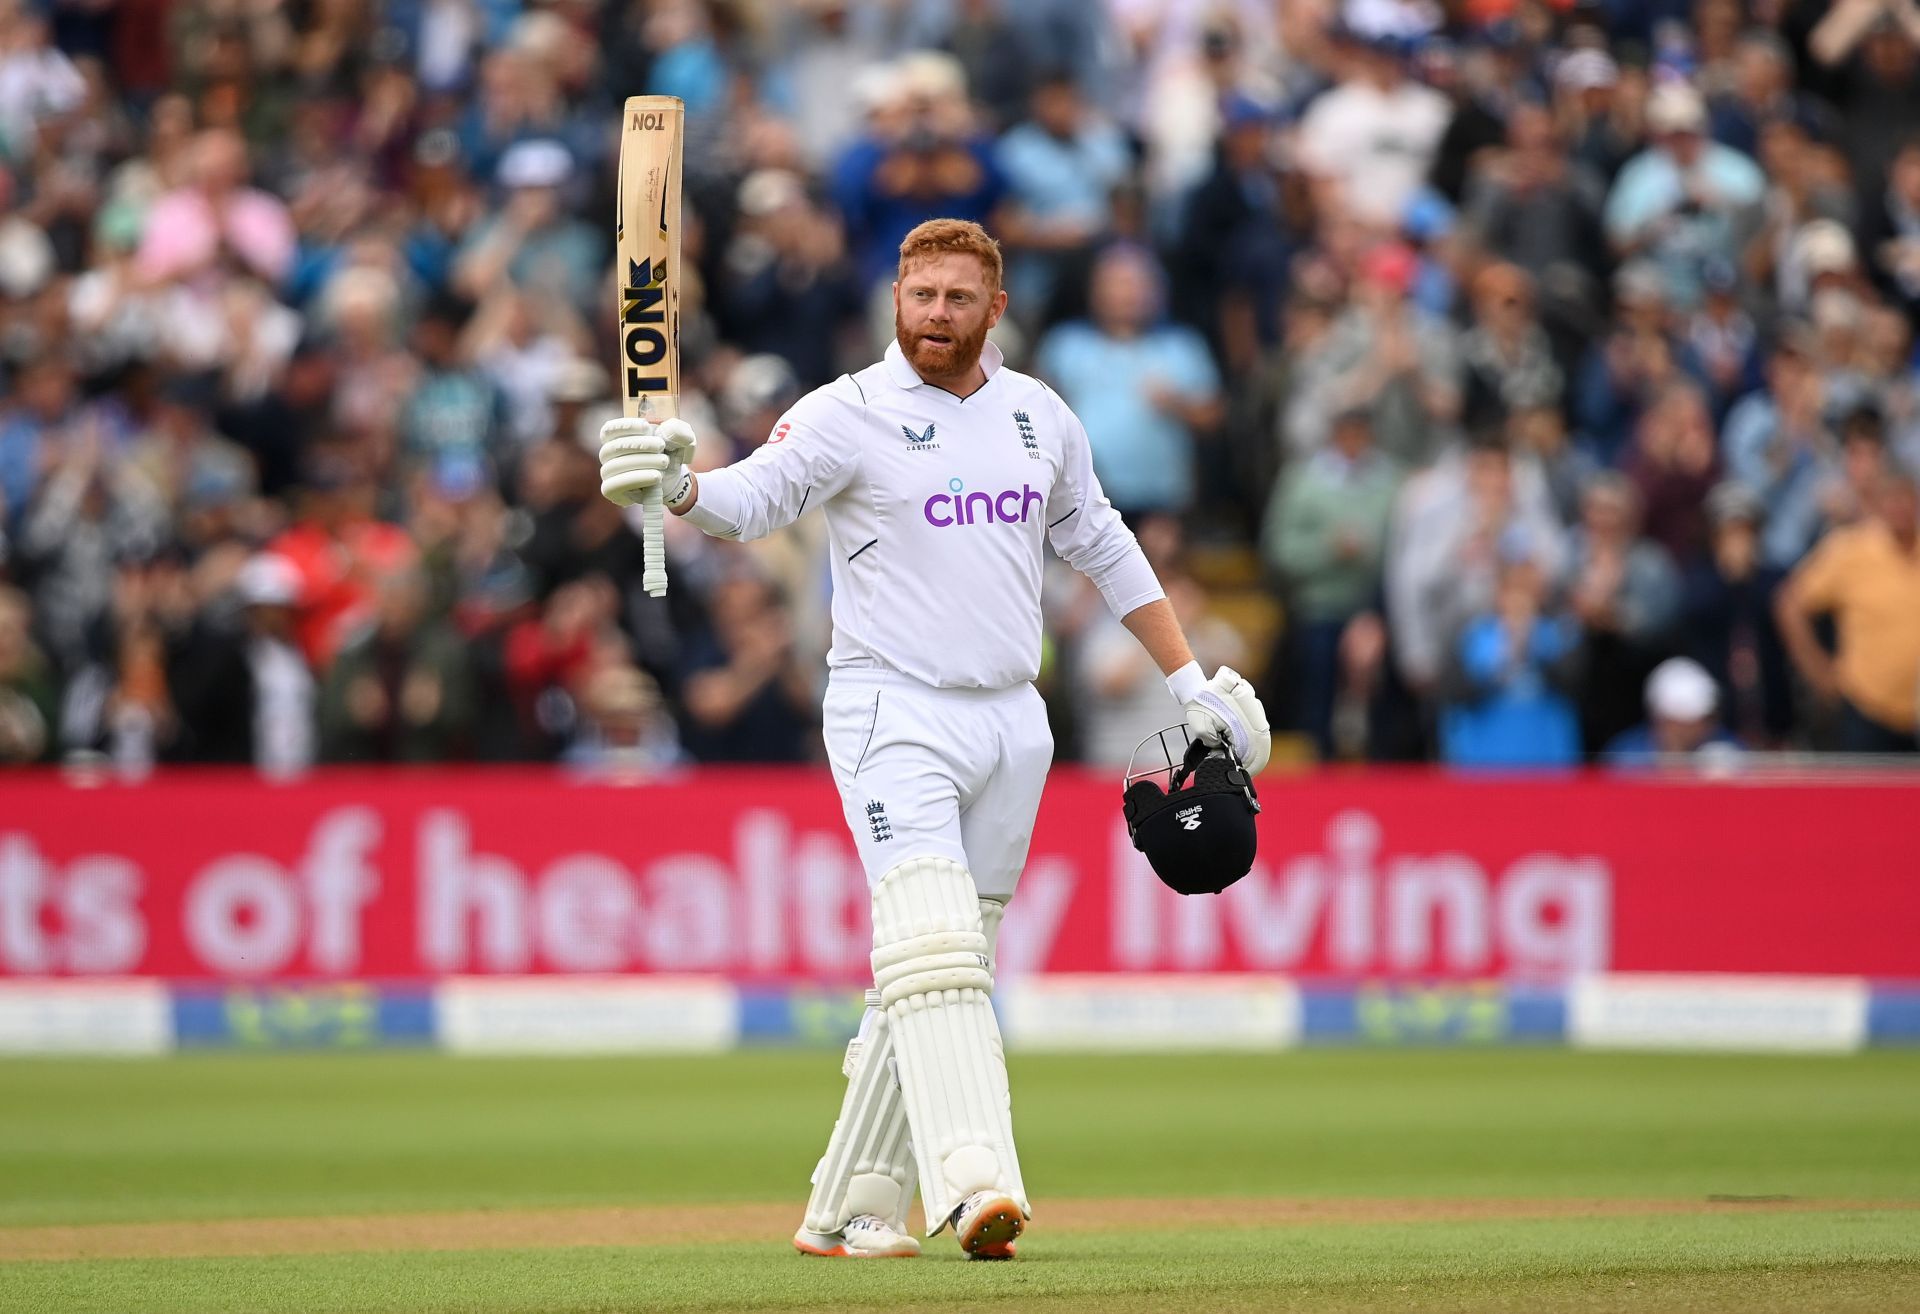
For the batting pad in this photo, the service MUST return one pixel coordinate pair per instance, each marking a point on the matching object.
(931, 966)
(868, 1166)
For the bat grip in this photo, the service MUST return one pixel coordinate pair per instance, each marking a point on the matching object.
(653, 537)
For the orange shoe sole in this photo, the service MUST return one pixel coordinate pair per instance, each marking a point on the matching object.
(994, 1232)
(841, 1252)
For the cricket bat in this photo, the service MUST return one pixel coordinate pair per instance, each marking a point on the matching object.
(646, 230)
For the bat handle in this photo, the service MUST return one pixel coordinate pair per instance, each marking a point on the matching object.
(653, 537)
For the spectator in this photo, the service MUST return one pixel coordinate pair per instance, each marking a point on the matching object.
(1867, 577)
(1061, 167)
(1399, 362)
(1684, 199)
(1728, 619)
(748, 699)
(399, 690)
(1325, 538)
(28, 696)
(534, 242)
(924, 160)
(788, 287)
(1368, 141)
(1507, 362)
(1511, 677)
(452, 423)
(1682, 701)
(340, 550)
(1672, 466)
(624, 733)
(1625, 593)
(217, 216)
(1891, 230)
(1533, 205)
(1451, 525)
(1146, 389)
(242, 689)
(1638, 354)
(1778, 445)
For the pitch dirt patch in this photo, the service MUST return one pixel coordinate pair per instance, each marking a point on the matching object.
(663, 1225)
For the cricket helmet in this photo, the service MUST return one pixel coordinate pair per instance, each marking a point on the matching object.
(1197, 830)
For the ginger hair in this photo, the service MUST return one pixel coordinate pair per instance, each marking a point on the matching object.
(938, 237)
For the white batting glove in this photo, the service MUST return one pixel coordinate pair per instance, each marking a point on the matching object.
(637, 454)
(1224, 710)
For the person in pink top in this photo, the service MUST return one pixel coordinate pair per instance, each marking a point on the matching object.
(216, 214)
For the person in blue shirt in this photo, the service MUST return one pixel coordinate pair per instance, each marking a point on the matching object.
(1061, 167)
(1509, 684)
(1146, 388)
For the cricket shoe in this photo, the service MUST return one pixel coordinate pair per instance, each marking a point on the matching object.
(866, 1237)
(987, 1223)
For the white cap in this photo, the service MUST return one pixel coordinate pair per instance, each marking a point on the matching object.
(767, 191)
(1824, 246)
(269, 580)
(1681, 690)
(1584, 70)
(1676, 107)
(538, 163)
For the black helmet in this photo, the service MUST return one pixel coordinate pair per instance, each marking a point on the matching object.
(1198, 832)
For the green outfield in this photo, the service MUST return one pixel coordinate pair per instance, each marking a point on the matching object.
(1336, 1180)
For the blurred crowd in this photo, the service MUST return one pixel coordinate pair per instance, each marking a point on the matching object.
(1505, 382)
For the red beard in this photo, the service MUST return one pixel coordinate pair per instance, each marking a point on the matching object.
(951, 360)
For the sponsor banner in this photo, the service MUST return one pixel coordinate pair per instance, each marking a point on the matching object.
(1718, 1012)
(554, 1015)
(1433, 1013)
(322, 1015)
(1150, 1013)
(84, 1017)
(771, 1015)
(1893, 1015)
(748, 875)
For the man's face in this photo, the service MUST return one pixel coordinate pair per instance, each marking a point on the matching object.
(942, 309)
(1899, 506)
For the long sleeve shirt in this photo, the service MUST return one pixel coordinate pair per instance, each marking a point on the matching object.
(938, 511)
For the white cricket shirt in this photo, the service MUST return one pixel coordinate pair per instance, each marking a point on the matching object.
(938, 511)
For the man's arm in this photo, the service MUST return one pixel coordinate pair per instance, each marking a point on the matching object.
(1793, 612)
(1160, 634)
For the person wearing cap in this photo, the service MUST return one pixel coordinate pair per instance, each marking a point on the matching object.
(1370, 140)
(1867, 577)
(1682, 704)
(1686, 197)
(532, 239)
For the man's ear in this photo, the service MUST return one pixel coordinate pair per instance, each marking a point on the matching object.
(999, 305)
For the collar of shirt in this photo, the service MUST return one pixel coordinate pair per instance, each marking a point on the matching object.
(904, 375)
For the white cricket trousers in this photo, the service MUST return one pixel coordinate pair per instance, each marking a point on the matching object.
(944, 773)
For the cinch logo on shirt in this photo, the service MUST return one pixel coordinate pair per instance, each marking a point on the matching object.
(956, 507)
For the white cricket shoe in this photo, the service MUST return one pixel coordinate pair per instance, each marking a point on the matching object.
(865, 1237)
(986, 1223)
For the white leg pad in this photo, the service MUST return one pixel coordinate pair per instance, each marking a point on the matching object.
(932, 967)
(868, 1166)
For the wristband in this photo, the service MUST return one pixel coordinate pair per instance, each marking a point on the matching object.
(1186, 683)
(679, 495)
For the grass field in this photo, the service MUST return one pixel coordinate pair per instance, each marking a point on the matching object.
(1324, 1180)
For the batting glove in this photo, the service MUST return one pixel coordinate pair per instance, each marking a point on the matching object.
(1224, 711)
(637, 454)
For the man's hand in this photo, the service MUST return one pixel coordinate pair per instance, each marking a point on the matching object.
(637, 454)
(1225, 711)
